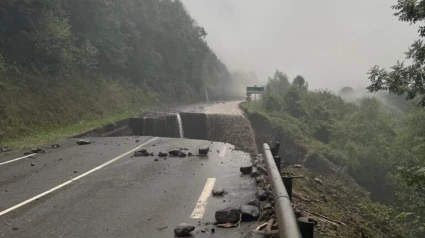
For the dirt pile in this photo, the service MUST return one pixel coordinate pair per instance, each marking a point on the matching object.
(234, 129)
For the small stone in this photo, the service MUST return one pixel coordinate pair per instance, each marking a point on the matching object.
(137, 140)
(174, 152)
(254, 172)
(218, 192)
(155, 159)
(212, 230)
(267, 206)
(203, 150)
(254, 203)
(317, 180)
(55, 146)
(183, 230)
(37, 151)
(259, 179)
(249, 213)
(298, 166)
(261, 194)
(15, 228)
(32, 164)
(262, 169)
(246, 170)
(141, 153)
(84, 142)
(227, 215)
(75, 172)
(162, 154)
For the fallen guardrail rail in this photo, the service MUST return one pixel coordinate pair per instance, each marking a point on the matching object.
(289, 225)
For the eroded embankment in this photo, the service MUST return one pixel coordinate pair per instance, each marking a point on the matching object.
(230, 128)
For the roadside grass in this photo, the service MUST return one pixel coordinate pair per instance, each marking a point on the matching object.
(39, 136)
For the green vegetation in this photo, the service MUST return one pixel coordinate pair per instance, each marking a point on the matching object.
(364, 139)
(408, 80)
(66, 61)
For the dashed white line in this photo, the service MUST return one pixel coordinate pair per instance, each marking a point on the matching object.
(76, 178)
(14, 160)
(199, 210)
(223, 152)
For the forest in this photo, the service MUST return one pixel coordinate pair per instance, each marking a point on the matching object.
(67, 61)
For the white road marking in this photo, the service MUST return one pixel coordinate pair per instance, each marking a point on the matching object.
(14, 160)
(76, 178)
(199, 210)
(223, 151)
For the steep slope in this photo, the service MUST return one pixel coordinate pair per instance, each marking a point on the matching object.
(65, 61)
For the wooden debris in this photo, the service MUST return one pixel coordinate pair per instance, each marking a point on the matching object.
(269, 225)
(227, 225)
(300, 197)
(262, 226)
(329, 219)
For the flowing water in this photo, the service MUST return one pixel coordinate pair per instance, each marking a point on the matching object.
(144, 125)
(179, 122)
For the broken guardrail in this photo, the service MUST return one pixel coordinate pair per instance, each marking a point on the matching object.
(287, 222)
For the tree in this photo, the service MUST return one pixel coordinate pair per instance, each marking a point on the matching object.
(406, 79)
(402, 78)
(278, 84)
(300, 82)
(346, 90)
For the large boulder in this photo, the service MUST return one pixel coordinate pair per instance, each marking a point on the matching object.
(249, 213)
(183, 230)
(246, 169)
(227, 215)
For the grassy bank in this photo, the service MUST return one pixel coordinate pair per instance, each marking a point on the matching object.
(42, 113)
(43, 136)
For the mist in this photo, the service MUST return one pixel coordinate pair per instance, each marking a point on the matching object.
(331, 43)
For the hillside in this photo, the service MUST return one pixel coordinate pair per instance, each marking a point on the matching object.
(64, 62)
(365, 144)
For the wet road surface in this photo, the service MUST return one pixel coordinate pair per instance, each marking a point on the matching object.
(101, 190)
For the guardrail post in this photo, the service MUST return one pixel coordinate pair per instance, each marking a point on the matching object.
(287, 181)
(306, 226)
(275, 149)
(277, 160)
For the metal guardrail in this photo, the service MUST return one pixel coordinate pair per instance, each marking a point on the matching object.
(287, 222)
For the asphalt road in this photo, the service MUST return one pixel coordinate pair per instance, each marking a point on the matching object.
(101, 190)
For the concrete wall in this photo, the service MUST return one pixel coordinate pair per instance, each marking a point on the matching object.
(164, 126)
(194, 125)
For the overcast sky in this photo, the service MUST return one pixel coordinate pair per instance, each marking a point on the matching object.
(332, 43)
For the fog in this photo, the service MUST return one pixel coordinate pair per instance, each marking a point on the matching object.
(331, 43)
